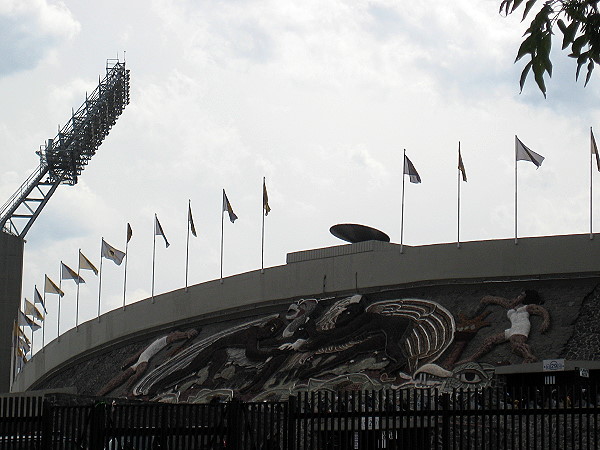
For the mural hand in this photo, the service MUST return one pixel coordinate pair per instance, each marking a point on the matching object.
(292, 346)
(467, 327)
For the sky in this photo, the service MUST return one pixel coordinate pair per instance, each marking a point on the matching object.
(320, 97)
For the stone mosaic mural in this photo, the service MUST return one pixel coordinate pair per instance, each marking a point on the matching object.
(438, 336)
(315, 344)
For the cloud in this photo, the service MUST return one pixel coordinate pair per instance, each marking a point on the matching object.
(29, 29)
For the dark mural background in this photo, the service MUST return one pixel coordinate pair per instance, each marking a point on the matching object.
(445, 336)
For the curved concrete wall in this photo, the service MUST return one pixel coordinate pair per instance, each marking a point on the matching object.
(365, 267)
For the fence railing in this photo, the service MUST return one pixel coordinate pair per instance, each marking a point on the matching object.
(544, 417)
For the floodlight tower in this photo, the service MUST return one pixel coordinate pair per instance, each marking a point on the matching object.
(62, 160)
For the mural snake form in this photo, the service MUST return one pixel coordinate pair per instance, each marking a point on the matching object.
(314, 338)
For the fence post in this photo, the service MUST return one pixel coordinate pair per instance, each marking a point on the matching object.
(235, 427)
(445, 418)
(97, 426)
(47, 420)
(291, 423)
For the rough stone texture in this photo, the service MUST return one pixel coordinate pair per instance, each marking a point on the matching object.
(584, 343)
(572, 304)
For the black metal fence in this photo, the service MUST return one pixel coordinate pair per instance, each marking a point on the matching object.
(545, 417)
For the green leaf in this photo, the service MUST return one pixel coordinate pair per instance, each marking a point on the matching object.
(524, 74)
(570, 33)
(581, 60)
(590, 68)
(527, 46)
(562, 26)
(538, 72)
(528, 7)
(516, 4)
(578, 45)
(545, 53)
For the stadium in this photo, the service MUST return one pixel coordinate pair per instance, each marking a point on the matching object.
(365, 316)
(433, 299)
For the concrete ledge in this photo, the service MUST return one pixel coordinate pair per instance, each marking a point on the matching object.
(363, 267)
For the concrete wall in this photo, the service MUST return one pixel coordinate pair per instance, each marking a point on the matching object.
(368, 266)
(11, 271)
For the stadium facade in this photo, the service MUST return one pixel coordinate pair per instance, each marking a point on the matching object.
(357, 316)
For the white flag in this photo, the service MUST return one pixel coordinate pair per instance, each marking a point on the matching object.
(25, 321)
(86, 264)
(524, 153)
(31, 310)
(227, 207)
(409, 169)
(594, 148)
(158, 231)
(37, 298)
(24, 345)
(66, 273)
(51, 288)
(109, 252)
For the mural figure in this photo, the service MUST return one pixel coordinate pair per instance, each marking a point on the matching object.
(136, 366)
(518, 309)
(408, 331)
(253, 340)
(315, 339)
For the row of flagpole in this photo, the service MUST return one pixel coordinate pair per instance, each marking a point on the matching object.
(107, 251)
(522, 153)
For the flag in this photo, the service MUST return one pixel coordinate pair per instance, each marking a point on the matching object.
(24, 345)
(191, 220)
(266, 206)
(410, 170)
(526, 154)
(227, 207)
(31, 310)
(51, 288)
(18, 333)
(158, 231)
(25, 321)
(595, 149)
(66, 273)
(37, 298)
(461, 166)
(109, 252)
(129, 233)
(86, 264)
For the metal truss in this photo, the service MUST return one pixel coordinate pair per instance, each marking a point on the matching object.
(63, 158)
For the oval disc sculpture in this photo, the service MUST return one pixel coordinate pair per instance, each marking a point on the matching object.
(353, 233)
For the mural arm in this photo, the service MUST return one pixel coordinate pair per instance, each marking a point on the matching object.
(493, 300)
(538, 310)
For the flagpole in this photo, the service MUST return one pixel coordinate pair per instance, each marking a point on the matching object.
(77, 301)
(100, 280)
(222, 215)
(402, 210)
(44, 324)
(262, 247)
(59, 296)
(591, 180)
(22, 306)
(153, 257)
(516, 190)
(187, 246)
(458, 205)
(125, 276)
(14, 342)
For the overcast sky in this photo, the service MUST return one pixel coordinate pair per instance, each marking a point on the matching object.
(320, 97)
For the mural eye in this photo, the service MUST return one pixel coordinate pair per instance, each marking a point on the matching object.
(470, 376)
